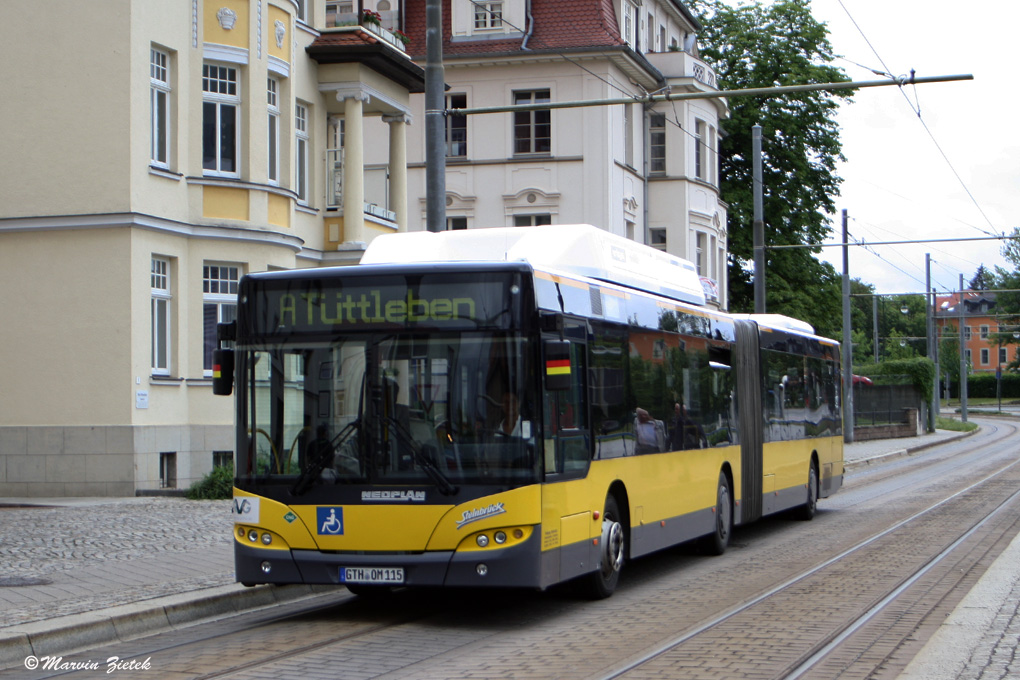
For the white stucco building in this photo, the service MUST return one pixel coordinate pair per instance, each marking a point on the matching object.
(168, 148)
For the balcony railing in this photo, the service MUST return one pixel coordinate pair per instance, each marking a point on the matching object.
(385, 29)
(683, 65)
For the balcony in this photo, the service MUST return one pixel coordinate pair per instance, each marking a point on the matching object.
(676, 65)
(383, 25)
(377, 189)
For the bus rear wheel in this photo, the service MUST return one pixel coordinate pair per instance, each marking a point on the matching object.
(601, 583)
(717, 542)
(806, 512)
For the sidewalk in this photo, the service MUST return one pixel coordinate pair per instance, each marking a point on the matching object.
(81, 572)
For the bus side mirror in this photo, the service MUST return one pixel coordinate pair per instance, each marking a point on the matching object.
(223, 372)
(557, 365)
(223, 359)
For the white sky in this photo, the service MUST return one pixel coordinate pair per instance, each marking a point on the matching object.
(898, 186)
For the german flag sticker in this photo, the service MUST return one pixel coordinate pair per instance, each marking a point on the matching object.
(557, 367)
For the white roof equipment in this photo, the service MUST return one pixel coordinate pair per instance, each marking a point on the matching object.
(578, 249)
(779, 322)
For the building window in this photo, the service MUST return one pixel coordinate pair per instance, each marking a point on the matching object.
(488, 14)
(532, 129)
(984, 356)
(456, 127)
(159, 106)
(273, 106)
(969, 360)
(168, 470)
(220, 104)
(222, 459)
(159, 278)
(456, 223)
(657, 239)
(301, 152)
(701, 253)
(662, 38)
(219, 305)
(628, 134)
(531, 220)
(1002, 355)
(657, 144)
(984, 332)
(966, 333)
(629, 12)
(699, 144)
(650, 26)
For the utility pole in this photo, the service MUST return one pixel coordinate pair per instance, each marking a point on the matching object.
(963, 361)
(848, 369)
(929, 327)
(435, 119)
(874, 322)
(759, 223)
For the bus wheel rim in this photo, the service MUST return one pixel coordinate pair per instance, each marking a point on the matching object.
(612, 546)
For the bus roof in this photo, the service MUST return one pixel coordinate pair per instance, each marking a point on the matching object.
(578, 249)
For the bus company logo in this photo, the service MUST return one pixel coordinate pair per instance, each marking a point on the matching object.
(408, 496)
(329, 521)
(246, 509)
(469, 516)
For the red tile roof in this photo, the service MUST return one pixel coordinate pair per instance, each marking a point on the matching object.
(564, 24)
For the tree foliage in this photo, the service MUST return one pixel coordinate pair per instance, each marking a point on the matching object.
(764, 45)
(982, 279)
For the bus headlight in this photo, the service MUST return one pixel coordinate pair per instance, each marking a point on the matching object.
(482, 540)
(267, 539)
(500, 537)
(253, 536)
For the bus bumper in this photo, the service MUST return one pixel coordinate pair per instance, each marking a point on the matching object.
(515, 567)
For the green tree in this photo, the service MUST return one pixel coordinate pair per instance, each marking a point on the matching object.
(982, 279)
(764, 45)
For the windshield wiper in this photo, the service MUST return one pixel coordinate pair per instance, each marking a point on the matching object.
(323, 457)
(431, 469)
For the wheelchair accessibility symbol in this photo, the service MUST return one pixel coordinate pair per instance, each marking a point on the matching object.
(330, 521)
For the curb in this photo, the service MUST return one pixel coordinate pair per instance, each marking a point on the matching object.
(907, 451)
(67, 634)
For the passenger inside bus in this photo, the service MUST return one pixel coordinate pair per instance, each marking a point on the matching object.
(651, 433)
(686, 432)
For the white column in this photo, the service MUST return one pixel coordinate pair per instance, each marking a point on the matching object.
(398, 166)
(354, 165)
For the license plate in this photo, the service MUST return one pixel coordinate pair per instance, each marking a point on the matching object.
(371, 575)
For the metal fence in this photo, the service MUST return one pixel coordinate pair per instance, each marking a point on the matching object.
(885, 400)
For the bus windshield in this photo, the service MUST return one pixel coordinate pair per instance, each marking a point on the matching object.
(436, 408)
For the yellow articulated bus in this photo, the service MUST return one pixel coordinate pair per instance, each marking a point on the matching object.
(511, 408)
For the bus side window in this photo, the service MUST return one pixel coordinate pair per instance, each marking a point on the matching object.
(566, 445)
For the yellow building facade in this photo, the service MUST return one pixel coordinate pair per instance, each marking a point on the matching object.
(154, 154)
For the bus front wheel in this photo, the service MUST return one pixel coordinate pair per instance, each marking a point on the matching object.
(602, 582)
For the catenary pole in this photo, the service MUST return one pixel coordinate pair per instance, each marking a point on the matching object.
(963, 361)
(759, 222)
(848, 369)
(435, 119)
(929, 327)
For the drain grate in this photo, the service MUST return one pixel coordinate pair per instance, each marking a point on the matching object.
(21, 581)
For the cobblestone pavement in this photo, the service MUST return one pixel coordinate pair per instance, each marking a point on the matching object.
(64, 557)
(87, 555)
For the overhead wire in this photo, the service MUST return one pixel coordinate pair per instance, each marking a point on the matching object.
(916, 108)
